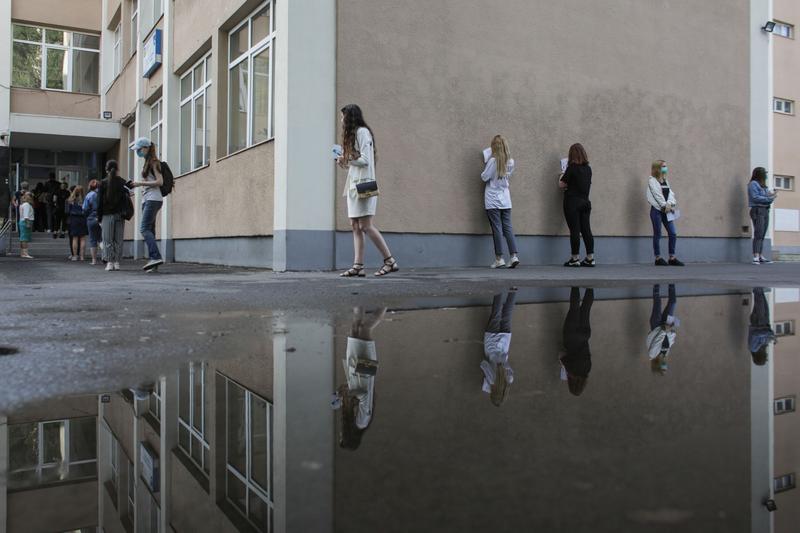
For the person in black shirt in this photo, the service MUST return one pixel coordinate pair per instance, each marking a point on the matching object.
(51, 188)
(576, 359)
(576, 183)
(112, 203)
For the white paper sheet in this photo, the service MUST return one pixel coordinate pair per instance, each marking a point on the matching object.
(487, 154)
(564, 163)
(674, 215)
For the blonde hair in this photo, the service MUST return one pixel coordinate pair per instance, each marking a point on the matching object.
(655, 168)
(27, 198)
(501, 154)
(77, 195)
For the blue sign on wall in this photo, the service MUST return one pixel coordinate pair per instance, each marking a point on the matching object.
(152, 54)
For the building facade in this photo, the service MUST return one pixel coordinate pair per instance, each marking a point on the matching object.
(242, 99)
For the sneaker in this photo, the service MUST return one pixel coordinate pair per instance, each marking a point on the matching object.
(109, 267)
(572, 263)
(116, 266)
(675, 262)
(93, 263)
(514, 262)
(26, 256)
(764, 260)
(660, 262)
(73, 258)
(153, 263)
(588, 262)
(498, 263)
(756, 261)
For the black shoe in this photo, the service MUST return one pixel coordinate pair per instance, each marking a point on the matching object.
(587, 262)
(572, 263)
(55, 236)
(661, 263)
(675, 262)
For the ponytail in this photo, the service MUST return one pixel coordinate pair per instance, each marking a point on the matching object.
(111, 168)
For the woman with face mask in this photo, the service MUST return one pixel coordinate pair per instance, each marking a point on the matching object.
(151, 182)
(662, 210)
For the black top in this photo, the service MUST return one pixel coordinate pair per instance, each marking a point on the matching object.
(579, 180)
(665, 190)
(576, 334)
(111, 196)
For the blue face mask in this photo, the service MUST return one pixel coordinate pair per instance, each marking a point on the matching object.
(141, 153)
(664, 171)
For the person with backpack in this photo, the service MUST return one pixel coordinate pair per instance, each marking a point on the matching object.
(152, 199)
(113, 208)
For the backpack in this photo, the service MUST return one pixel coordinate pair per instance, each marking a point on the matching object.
(169, 179)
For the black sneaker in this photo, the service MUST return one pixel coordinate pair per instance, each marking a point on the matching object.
(675, 262)
(587, 262)
(572, 263)
(661, 263)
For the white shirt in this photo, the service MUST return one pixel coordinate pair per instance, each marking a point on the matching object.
(495, 347)
(655, 195)
(152, 194)
(26, 211)
(497, 194)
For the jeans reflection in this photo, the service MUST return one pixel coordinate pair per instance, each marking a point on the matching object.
(576, 358)
(356, 398)
(760, 334)
(497, 374)
(663, 325)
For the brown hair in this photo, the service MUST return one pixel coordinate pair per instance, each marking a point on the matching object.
(353, 120)
(577, 155)
(760, 175)
(151, 161)
(499, 390)
(93, 184)
(501, 154)
(77, 195)
(655, 168)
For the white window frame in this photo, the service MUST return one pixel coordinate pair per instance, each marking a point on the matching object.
(784, 482)
(196, 92)
(156, 131)
(155, 399)
(780, 105)
(783, 29)
(263, 493)
(253, 50)
(785, 405)
(117, 49)
(784, 328)
(131, 491)
(134, 26)
(131, 156)
(158, 10)
(783, 182)
(68, 49)
(195, 369)
(114, 462)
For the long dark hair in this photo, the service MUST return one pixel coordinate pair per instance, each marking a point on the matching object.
(111, 168)
(577, 155)
(151, 161)
(760, 175)
(354, 119)
(350, 434)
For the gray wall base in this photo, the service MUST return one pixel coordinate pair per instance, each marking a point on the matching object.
(303, 250)
(229, 251)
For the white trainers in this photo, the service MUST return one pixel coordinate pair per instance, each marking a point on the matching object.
(153, 263)
(514, 262)
(109, 267)
(116, 266)
(498, 263)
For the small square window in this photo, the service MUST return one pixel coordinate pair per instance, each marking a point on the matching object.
(783, 106)
(785, 183)
(784, 29)
(784, 482)
(784, 328)
(785, 405)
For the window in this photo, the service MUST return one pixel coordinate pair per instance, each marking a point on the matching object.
(248, 454)
(117, 50)
(46, 58)
(784, 328)
(193, 415)
(114, 460)
(784, 405)
(154, 402)
(52, 451)
(158, 10)
(785, 183)
(784, 30)
(131, 155)
(784, 482)
(156, 118)
(134, 25)
(250, 73)
(783, 106)
(195, 136)
(131, 491)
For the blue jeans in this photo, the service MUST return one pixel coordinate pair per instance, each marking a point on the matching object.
(148, 227)
(500, 220)
(658, 218)
(657, 317)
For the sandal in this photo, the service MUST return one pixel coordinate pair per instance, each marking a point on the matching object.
(389, 266)
(357, 271)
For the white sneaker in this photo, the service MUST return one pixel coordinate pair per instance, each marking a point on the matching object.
(109, 267)
(498, 263)
(153, 263)
(514, 262)
(116, 266)
(73, 258)
(756, 261)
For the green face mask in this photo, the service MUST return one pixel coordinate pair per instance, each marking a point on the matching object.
(664, 171)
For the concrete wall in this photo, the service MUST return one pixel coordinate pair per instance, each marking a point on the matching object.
(54, 103)
(59, 508)
(608, 460)
(75, 14)
(438, 80)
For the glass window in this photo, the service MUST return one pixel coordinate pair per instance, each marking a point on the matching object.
(186, 134)
(27, 66)
(134, 25)
(57, 73)
(85, 71)
(250, 73)
(195, 105)
(84, 40)
(56, 37)
(191, 425)
(156, 127)
(82, 439)
(27, 33)
(117, 50)
(158, 10)
(23, 444)
(130, 154)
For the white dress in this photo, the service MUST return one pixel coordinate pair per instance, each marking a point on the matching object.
(361, 170)
(362, 387)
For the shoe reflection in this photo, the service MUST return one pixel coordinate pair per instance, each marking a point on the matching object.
(663, 326)
(355, 400)
(576, 357)
(760, 334)
(497, 374)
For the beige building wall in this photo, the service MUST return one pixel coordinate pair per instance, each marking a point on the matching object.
(71, 14)
(438, 80)
(787, 127)
(54, 103)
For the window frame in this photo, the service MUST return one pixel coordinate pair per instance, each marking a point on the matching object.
(253, 50)
(791, 482)
(784, 179)
(194, 95)
(157, 128)
(134, 27)
(131, 156)
(784, 405)
(69, 52)
(783, 324)
(194, 433)
(779, 106)
(158, 10)
(155, 396)
(789, 29)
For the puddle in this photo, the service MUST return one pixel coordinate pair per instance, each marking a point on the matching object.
(554, 409)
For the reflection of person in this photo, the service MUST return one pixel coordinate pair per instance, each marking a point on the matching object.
(356, 399)
(662, 334)
(759, 334)
(497, 374)
(576, 359)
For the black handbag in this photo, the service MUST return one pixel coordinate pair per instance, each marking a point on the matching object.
(366, 367)
(367, 189)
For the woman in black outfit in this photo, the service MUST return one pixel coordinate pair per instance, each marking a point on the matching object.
(576, 182)
(576, 359)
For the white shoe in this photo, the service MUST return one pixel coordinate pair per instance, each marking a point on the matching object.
(756, 261)
(116, 266)
(498, 263)
(73, 258)
(514, 262)
(109, 267)
(153, 263)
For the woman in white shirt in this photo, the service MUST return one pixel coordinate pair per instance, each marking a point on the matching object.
(497, 201)
(663, 333)
(662, 202)
(497, 373)
(26, 219)
(358, 157)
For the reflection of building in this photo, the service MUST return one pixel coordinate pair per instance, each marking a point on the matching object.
(51, 467)
(786, 369)
(199, 445)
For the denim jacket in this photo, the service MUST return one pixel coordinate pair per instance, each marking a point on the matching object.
(758, 196)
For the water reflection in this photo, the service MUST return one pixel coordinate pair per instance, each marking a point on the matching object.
(576, 358)
(760, 334)
(663, 330)
(497, 373)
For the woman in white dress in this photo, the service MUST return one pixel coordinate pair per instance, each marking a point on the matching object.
(358, 156)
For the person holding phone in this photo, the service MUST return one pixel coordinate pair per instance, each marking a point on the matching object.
(662, 202)
(576, 181)
(760, 199)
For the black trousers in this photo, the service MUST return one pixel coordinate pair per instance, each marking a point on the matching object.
(577, 212)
